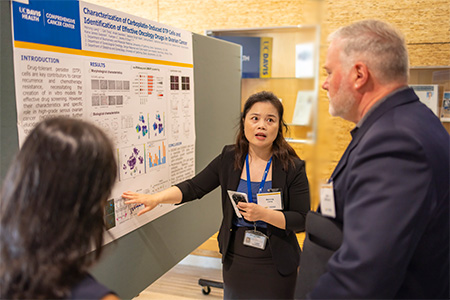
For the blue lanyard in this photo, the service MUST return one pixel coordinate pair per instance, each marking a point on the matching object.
(263, 181)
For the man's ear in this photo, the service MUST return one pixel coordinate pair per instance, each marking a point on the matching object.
(361, 73)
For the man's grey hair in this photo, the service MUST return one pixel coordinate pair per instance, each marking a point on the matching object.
(377, 44)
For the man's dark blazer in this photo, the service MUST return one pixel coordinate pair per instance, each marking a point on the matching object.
(294, 186)
(391, 190)
(323, 237)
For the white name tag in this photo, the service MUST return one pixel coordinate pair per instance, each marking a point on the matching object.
(255, 239)
(327, 206)
(270, 200)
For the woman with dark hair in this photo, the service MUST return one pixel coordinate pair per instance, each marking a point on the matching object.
(260, 251)
(51, 212)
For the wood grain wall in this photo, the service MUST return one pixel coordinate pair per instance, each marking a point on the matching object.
(425, 24)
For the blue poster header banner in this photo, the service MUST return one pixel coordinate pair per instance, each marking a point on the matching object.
(54, 23)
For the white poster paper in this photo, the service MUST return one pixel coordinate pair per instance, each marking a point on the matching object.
(304, 60)
(130, 76)
(303, 108)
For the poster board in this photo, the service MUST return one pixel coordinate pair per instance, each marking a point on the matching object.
(130, 263)
(130, 76)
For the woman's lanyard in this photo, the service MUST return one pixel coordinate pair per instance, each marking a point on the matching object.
(253, 237)
(263, 181)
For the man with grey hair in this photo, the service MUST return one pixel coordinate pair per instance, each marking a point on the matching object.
(387, 201)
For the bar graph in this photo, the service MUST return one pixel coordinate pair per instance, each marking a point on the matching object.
(156, 154)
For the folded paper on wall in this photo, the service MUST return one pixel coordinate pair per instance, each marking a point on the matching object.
(304, 60)
(303, 108)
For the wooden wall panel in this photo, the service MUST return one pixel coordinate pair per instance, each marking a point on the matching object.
(425, 24)
(429, 54)
(199, 15)
(421, 21)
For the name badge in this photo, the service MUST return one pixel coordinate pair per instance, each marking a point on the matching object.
(255, 239)
(327, 206)
(270, 200)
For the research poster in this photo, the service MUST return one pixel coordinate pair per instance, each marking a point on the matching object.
(131, 76)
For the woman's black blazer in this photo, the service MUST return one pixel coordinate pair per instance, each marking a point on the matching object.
(295, 194)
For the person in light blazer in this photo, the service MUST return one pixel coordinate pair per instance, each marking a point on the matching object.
(260, 161)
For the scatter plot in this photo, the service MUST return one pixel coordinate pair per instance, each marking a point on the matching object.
(141, 127)
(132, 162)
(158, 125)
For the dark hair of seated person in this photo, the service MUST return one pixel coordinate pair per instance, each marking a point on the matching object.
(52, 209)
